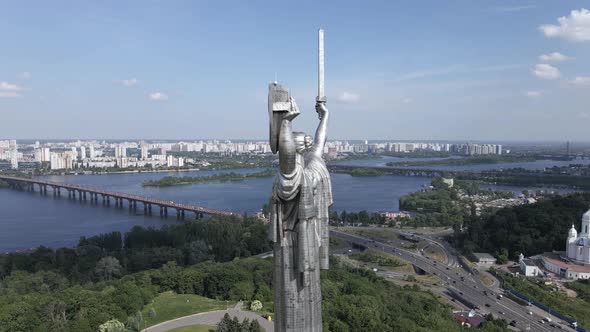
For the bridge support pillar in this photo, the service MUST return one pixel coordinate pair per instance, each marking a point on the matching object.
(58, 191)
(145, 210)
(165, 211)
(69, 194)
(80, 196)
(178, 214)
(150, 209)
(182, 214)
(84, 195)
(161, 211)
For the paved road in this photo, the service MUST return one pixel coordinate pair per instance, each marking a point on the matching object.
(464, 285)
(211, 318)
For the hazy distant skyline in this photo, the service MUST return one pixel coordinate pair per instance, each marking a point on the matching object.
(465, 70)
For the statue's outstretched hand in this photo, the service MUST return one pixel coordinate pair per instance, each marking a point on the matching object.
(293, 111)
(321, 108)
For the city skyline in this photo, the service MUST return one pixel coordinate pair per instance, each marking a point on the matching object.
(465, 72)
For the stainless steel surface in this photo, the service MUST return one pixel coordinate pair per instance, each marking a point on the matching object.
(300, 201)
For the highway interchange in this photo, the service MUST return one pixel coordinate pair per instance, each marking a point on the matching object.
(459, 281)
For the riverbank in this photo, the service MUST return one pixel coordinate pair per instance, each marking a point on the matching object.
(464, 161)
(168, 181)
(511, 177)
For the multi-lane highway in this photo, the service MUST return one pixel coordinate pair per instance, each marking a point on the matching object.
(459, 281)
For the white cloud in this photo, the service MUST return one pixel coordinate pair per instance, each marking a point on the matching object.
(555, 56)
(534, 94)
(407, 100)
(581, 80)
(158, 96)
(348, 98)
(25, 75)
(130, 82)
(5, 86)
(9, 94)
(583, 115)
(575, 27)
(546, 72)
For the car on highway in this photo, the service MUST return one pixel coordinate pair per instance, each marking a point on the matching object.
(513, 323)
(487, 305)
(501, 312)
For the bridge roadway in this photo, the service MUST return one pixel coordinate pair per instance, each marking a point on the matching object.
(464, 285)
(92, 194)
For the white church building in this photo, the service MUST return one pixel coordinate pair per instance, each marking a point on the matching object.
(574, 264)
(578, 247)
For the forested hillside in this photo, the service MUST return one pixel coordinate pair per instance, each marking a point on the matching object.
(530, 229)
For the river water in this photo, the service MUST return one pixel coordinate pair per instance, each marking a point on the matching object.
(531, 165)
(28, 219)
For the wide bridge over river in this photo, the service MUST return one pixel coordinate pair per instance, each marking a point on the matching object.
(83, 193)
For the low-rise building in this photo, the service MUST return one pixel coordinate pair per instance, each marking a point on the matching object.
(484, 258)
(563, 268)
(528, 267)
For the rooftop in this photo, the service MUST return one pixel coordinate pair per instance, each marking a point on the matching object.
(556, 260)
(529, 262)
(481, 255)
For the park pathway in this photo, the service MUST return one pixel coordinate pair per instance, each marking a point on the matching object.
(211, 318)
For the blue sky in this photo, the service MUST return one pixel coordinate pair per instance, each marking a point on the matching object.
(459, 70)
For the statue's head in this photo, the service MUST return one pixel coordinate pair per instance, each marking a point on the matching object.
(302, 141)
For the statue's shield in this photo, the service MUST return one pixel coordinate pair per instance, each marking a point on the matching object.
(278, 104)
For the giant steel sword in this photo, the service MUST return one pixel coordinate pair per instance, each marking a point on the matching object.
(321, 98)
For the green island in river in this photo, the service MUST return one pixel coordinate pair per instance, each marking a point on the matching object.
(168, 181)
(465, 161)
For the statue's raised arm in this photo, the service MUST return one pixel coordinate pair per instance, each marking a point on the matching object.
(287, 144)
(321, 133)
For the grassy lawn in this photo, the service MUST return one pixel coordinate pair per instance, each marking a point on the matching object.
(336, 243)
(169, 305)
(551, 297)
(194, 328)
(375, 233)
(426, 230)
(436, 253)
(486, 279)
(406, 268)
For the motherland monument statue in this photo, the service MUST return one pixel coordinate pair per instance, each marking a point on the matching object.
(300, 201)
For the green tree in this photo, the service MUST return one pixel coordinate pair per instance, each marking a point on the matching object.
(112, 325)
(256, 305)
(107, 268)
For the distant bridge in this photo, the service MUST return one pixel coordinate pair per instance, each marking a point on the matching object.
(87, 193)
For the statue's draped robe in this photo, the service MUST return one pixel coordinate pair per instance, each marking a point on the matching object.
(300, 204)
